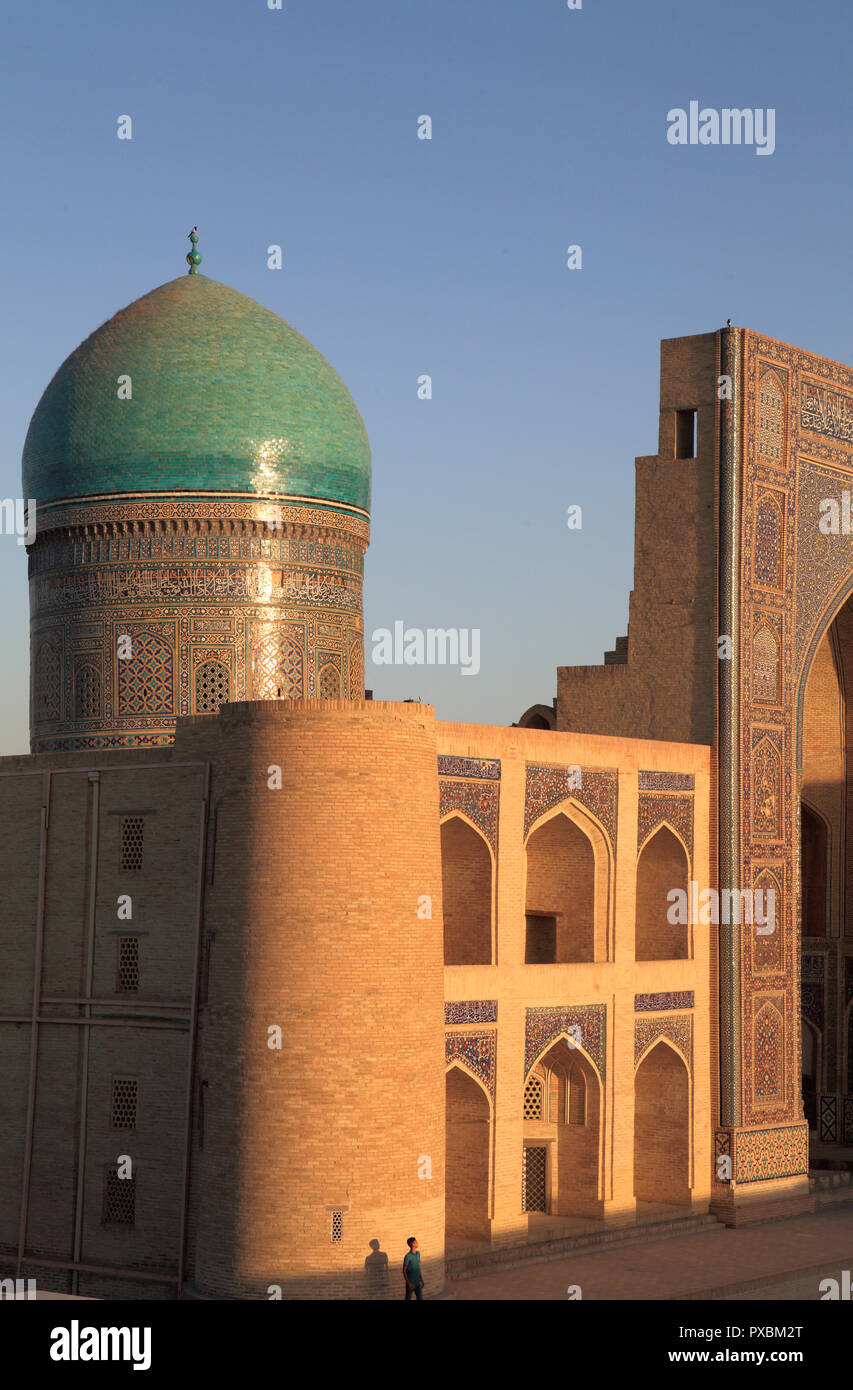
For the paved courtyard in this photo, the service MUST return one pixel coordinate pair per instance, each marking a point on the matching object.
(779, 1260)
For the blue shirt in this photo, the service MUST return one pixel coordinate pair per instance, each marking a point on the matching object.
(412, 1267)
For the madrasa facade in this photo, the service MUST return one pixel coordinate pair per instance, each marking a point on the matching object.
(290, 974)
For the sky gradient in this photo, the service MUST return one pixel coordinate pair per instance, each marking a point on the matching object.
(448, 257)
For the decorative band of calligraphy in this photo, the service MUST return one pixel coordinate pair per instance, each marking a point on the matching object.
(251, 582)
(826, 412)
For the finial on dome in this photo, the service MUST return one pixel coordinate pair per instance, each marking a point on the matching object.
(194, 256)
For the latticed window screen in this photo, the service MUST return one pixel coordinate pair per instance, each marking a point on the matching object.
(330, 682)
(533, 1180)
(125, 1091)
(212, 687)
(128, 965)
(87, 693)
(533, 1099)
(132, 828)
(119, 1198)
(337, 1227)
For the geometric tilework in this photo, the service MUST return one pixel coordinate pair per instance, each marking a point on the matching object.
(763, 1154)
(679, 1030)
(277, 667)
(542, 1026)
(722, 1149)
(471, 1011)
(476, 800)
(847, 1121)
(212, 685)
(766, 790)
(476, 1051)
(548, 786)
(672, 999)
(329, 681)
(828, 1119)
(765, 665)
(769, 531)
(486, 769)
(145, 682)
(665, 781)
(227, 577)
(771, 417)
(47, 706)
(768, 1052)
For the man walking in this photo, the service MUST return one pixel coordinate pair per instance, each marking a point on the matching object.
(412, 1271)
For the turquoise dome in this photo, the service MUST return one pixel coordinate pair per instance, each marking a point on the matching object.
(226, 397)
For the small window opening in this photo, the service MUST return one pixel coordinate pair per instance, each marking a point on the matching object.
(685, 434)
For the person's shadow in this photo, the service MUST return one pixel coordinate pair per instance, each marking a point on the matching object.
(376, 1269)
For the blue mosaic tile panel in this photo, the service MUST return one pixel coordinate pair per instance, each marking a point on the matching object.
(679, 1030)
(762, 1154)
(666, 782)
(828, 1119)
(486, 769)
(544, 1026)
(475, 800)
(471, 1011)
(548, 786)
(476, 1052)
(669, 999)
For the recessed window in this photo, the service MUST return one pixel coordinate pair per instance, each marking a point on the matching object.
(533, 1092)
(685, 434)
(125, 1092)
(541, 940)
(131, 843)
(127, 981)
(337, 1227)
(119, 1199)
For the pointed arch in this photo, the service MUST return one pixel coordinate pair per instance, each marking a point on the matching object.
(771, 416)
(567, 887)
(329, 682)
(212, 686)
(663, 867)
(662, 1127)
(571, 1128)
(87, 692)
(459, 1062)
(768, 1047)
(766, 668)
(574, 1047)
(468, 1158)
(467, 884)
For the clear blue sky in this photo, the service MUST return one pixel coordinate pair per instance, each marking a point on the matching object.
(404, 257)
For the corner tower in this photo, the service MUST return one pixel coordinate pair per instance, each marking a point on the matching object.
(202, 485)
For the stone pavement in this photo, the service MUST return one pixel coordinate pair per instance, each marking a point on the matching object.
(749, 1262)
